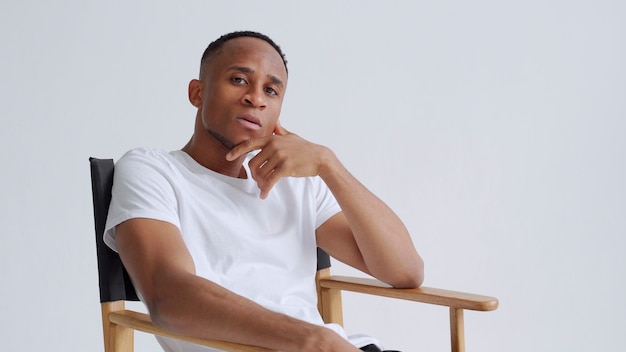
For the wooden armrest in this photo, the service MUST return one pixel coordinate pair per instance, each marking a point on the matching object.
(452, 299)
(141, 322)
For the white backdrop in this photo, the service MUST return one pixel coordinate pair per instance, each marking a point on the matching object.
(495, 130)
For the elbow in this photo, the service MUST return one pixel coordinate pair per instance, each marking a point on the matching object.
(403, 274)
(411, 280)
(411, 277)
(165, 302)
(155, 311)
(160, 315)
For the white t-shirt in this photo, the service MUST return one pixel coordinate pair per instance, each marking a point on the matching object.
(264, 250)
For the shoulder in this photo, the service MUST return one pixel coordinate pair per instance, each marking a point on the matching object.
(141, 166)
(144, 155)
(147, 158)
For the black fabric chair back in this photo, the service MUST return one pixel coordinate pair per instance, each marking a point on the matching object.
(323, 259)
(115, 283)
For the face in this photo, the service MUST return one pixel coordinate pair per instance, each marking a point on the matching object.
(240, 92)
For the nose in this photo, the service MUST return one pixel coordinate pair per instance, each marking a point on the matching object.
(254, 97)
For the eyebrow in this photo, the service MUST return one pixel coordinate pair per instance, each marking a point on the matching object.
(244, 69)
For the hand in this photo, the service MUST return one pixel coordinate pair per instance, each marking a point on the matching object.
(283, 154)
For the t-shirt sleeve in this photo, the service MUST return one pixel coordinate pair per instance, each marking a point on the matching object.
(142, 188)
(327, 205)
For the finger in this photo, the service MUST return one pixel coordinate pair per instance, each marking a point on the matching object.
(266, 168)
(246, 147)
(279, 130)
(269, 183)
(257, 165)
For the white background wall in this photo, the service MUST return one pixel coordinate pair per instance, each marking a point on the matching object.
(495, 129)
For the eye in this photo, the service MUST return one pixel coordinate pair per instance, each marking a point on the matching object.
(271, 91)
(238, 80)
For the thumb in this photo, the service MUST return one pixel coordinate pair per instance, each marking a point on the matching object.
(279, 130)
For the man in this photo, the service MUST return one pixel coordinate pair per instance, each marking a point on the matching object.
(201, 230)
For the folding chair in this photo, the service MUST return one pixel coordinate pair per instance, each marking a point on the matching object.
(116, 287)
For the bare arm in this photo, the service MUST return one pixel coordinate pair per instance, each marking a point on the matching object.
(367, 235)
(163, 272)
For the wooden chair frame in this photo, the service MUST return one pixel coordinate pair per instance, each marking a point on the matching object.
(119, 323)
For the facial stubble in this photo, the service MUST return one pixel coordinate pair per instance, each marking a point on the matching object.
(223, 141)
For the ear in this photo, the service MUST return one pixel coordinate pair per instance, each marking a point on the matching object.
(195, 93)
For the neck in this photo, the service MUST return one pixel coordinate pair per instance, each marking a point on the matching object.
(211, 154)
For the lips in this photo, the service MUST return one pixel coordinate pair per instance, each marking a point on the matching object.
(249, 121)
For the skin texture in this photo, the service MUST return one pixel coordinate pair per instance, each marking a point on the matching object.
(239, 96)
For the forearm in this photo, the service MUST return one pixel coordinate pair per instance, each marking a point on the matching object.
(383, 240)
(164, 273)
(199, 308)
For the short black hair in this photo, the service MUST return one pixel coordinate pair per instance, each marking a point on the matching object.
(219, 42)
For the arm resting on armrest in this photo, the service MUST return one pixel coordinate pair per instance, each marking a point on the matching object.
(141, 322)
(452, 299)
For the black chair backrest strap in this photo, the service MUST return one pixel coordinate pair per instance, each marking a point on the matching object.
(115, 283)
(323, 259)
